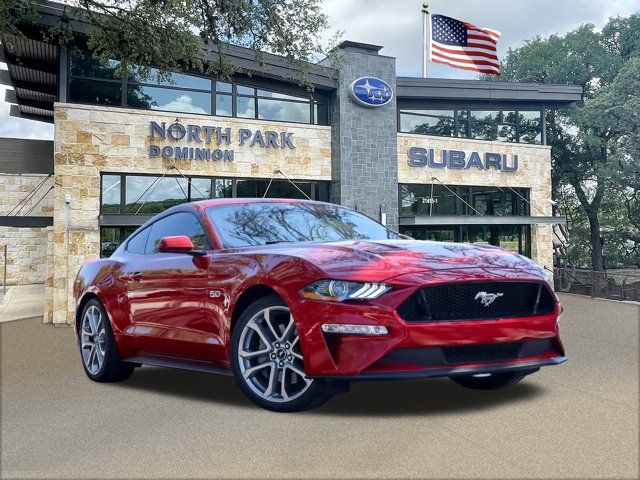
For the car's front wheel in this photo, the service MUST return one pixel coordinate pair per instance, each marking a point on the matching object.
(489, 381)
(267, 360)
(97, 345)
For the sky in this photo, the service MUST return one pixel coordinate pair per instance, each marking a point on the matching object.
(397, 25)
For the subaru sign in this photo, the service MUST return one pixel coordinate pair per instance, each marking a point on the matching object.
(370, 92)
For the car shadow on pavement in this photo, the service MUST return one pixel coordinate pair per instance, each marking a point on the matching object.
(388, 398)
(423, 397)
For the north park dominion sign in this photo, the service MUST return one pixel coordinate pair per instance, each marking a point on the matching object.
(201, 135)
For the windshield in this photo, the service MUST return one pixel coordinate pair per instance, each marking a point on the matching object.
(265, 223)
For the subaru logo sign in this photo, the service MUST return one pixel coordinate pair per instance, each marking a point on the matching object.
(371, 92)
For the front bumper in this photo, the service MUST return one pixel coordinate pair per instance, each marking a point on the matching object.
(408, 349)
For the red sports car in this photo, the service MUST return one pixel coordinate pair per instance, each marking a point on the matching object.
(295, 299)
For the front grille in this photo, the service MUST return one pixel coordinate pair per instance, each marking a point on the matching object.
(476, 353)
(464, 301)
(493, 352)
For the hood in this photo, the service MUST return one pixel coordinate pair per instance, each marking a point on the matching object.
(377, 260)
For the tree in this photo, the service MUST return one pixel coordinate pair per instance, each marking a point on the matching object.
(175, 35)
(592, 144)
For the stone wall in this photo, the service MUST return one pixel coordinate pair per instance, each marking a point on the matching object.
(365, 173)
(92, 139)
(26, 247)
(534, 173)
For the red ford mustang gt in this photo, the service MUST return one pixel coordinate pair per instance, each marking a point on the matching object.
(298, 298)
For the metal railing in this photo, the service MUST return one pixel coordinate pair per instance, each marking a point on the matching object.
(615, 285)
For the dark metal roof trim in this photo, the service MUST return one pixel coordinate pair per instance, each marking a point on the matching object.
(20, 155)
(119, 220)
(25, 222)
(413, 89)
(17, 112)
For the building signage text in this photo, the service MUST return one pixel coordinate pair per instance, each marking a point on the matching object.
(206, 134)
(458, 159)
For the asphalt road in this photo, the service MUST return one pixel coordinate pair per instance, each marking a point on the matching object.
(576, 420)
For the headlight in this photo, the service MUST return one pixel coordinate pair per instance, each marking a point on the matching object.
(340, 290)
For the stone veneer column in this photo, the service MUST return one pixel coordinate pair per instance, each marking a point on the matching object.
(364, 140)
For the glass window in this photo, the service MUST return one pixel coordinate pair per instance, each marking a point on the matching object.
(170, 79)
(284, 189)
(223, 188)
(224, 87)
(224, 105)
(322, 191)
(181, 223)
(242, 90)
(283, 110)
(321, 113)
(137, 243)
(146, 194)
(156, 98)
(245, 107)
(282, 96)
(83, 64)
(264, 223)
(95, 92)
(110, 194)
(530, 127)
(419, 200)
(109, 240)
(200, 188)
(428, 122)
(246, 188)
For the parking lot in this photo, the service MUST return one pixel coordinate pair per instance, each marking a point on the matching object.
(576, 420)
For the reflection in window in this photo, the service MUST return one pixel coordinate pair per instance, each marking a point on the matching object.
(171, 79)
(156, 98)
(110, 194)
(223, 188)
(285, 111)
(224, 87)
(181, 223)
(109, 240)
(200, 188)
(284, 189)
(153, 195)
(263, 223)
(83, 64)
(428, 122)
(223, 105)
(245, 107)
(95, 92)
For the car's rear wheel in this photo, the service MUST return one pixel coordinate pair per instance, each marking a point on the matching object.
(489, 381)
(97, 345)
(267, 360)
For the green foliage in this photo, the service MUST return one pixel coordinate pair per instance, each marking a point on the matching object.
(595, 147)
(175, 35)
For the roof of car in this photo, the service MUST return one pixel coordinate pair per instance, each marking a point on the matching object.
(239, 201)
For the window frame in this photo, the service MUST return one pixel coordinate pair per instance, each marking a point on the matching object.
(125, 82)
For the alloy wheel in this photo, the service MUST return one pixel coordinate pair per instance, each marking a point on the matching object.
(270, 358)
(92, 338)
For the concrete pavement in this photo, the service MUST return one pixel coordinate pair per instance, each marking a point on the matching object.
(22, 301)
(577, 420)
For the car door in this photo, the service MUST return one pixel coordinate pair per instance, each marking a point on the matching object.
(169, 293)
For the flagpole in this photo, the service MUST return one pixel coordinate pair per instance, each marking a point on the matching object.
(425, 38)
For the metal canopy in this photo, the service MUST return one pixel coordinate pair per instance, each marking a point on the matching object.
(33, 73)
(480, 220)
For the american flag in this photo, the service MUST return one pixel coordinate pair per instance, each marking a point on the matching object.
(463, 45)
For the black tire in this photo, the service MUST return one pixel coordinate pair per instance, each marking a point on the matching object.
(317, 392)
(112, 369)
(494, 381)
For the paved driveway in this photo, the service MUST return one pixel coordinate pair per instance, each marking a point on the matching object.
(577, 420)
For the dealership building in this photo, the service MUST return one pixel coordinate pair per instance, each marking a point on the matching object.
(436, 159)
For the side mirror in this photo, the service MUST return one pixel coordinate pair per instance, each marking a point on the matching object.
(177, 244)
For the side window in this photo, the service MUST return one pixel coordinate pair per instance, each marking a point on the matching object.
(181, 223)
(137, 243)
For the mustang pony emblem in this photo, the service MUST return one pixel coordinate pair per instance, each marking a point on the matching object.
(487, 299)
